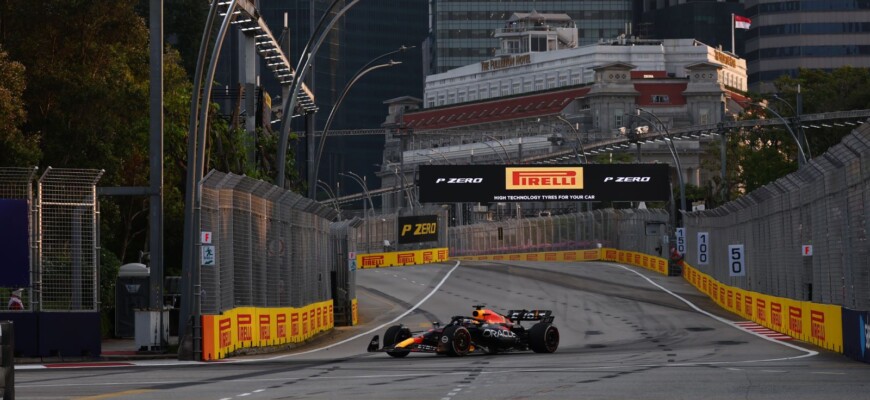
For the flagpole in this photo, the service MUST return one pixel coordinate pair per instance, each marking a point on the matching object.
(732, 34)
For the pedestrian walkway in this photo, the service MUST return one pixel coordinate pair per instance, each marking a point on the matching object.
(113, 351)
(756, 328)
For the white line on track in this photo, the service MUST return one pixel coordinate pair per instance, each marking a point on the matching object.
(366, 333)
(807, 352)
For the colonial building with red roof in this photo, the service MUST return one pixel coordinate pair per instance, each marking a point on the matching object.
(546, 89)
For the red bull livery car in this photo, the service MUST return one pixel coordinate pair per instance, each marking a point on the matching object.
(485, 331)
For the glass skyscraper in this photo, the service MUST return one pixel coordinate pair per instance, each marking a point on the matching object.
(462, 30)
(811, 34)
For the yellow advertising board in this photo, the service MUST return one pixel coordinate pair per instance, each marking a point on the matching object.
(819, 324)
(652, 263)
(401, 258)
(570, 255)
(249, 327)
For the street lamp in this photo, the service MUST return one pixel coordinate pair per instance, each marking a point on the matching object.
(405, 186)
(797, 119)
(365, 188)
(577, 137)
(323, 185)
(362, 182)
(673, 150)
(301, 70)
(802, 157)
(368, 67)
(506, 155)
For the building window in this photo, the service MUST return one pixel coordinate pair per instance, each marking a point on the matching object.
(703, 116)
(618, 115)
(660, 99)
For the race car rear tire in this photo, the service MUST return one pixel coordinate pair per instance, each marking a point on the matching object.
(395, 335)
(543, 338)
(456, 340)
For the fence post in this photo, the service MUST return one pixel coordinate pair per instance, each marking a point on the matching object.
(7, 361)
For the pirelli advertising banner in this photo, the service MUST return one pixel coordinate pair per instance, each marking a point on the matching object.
(498, 183)
(417, 229)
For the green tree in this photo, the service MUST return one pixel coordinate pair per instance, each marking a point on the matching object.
(843, 89)
(760, 155)
(87, 69)
(16, 148)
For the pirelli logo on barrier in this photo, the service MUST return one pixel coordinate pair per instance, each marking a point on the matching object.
(246, 330)
(795, 319)
(532, 178)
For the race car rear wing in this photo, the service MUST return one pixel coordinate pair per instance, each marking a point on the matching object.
(531, 315)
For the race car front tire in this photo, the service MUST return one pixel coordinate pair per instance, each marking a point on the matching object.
(395, 335)
(456, 340)
(543, 338)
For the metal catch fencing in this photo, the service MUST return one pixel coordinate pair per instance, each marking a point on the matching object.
(803, 236)
(64, 236)
(380, 232)
(643, 230)
(272, 247)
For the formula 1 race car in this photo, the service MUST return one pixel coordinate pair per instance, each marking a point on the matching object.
(485, 331)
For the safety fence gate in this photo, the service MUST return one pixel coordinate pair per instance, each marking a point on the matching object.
(57, 285)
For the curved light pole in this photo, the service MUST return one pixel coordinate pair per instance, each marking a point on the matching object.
(802, 157)
(506, 155)
(577, 137)
(495, 151)
(401, 179)
(323, 185)
(191, 308)
(673, 150)
(362, 184)
(301, 70)
(366, 69)
(797, 118)
(365, 188)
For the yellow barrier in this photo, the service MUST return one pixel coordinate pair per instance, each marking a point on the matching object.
(354, 312)
(652, 263)
(401, 258)
(820, 324)
(570, 255)
(248, 327)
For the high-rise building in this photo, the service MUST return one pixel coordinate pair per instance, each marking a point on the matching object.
(812, 34)
(463, 31)
(707, 21)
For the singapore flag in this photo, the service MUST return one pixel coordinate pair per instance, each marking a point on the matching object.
(741, 22)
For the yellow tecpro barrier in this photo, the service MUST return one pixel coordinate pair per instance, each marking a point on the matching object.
(354, 305)
(570, 255)
(652, 263)
(248, 327)
(820, 324)
(401, 258)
